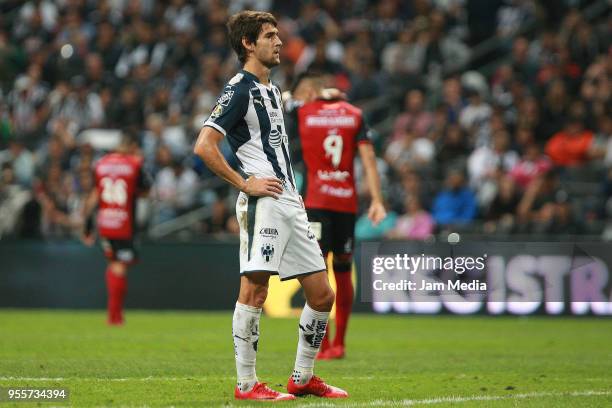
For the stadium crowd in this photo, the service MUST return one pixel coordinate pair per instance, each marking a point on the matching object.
(523, 147)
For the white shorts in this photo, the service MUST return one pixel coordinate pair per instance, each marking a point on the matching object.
(276, 238)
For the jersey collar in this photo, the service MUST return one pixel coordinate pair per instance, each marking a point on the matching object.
(253, 77)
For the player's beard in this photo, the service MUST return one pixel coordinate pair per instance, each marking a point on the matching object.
(272, 62)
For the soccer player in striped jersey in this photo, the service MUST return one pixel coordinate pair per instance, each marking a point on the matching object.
(275, 235)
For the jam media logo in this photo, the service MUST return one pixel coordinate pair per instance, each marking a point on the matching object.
(267, 252)
(268, 232)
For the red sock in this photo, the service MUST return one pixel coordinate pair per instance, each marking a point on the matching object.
(116, 287)
(344, 304)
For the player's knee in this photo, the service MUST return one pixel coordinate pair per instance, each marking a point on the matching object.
(324, 301)
(254, 296)
(118, 268)
(343, 262)
(260, 296)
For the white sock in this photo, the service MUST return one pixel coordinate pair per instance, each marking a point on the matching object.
(245, 330)
(310, 334)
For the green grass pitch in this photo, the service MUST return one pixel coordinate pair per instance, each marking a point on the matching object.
(186, 359)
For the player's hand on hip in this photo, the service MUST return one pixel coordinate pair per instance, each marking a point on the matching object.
(377, 212)
(266, 187)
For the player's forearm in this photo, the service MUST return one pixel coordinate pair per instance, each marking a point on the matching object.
(366, 151)
(208, 150)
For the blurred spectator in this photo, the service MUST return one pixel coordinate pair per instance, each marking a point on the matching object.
(415, 119)
(406, 55)
(415, 223)
(531, 165)
(484, 161)
(554, 108)
(13, 198)
(42, 14)
(500, 216)
(175, 190)
(544, 208)
(26, 104)
(128, 111)
(574, 144)
(454, 150)
(443, 53)
(456, 204)
(221, 220)
(21, 162)
(513, 15)
(53, 197)
(452, 97)
(474, 119)
(410, 150)
(144, 51)
(80, 107)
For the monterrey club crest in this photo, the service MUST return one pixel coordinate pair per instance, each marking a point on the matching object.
(267, 252)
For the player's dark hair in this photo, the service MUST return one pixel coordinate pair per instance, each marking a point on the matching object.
(247, 24)
(313, 75)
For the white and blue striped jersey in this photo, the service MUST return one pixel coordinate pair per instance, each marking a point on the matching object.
(250, 115)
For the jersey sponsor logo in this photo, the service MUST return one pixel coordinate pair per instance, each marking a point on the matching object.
(115, 169)
(267, 252)
(225, 99)
(336, 191)
(331, 121)
(268, 232)
(335, 175)
(276, 118)
(275, 138)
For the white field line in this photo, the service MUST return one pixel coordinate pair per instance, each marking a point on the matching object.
(444, 400)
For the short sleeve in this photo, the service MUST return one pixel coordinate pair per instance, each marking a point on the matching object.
(364, 133)
(231, 107)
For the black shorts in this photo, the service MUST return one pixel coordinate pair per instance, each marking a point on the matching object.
(334, 230)
(121, 250)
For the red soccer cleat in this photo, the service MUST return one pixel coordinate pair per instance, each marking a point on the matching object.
(323, 355)
(261, 392)
(316, 387)
(115, 322)
(336, 352)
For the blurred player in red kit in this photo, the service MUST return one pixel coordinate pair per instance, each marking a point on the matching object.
(331, 131)
(119, 180)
